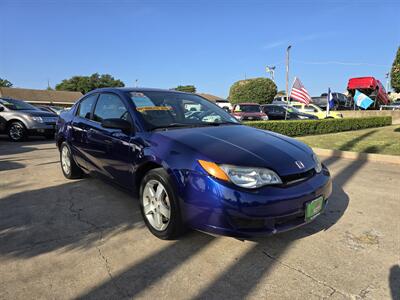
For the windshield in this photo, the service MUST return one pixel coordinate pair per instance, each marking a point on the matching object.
(248, 108)
(17, 104)
(292, 109)
(168, 109)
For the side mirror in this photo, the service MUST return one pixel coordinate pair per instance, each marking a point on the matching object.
(121, 124)
(1, 108)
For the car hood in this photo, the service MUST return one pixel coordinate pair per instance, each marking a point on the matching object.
(38, 113)
(242, 146)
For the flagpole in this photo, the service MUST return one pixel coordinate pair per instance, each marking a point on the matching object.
(327, 102)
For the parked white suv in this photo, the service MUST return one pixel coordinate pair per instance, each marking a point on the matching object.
(224, 103)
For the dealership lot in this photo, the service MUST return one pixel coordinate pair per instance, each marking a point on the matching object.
(65, 239)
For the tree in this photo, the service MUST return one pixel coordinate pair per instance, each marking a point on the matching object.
(257, 90)
(5, 83)
(395, 73)
(186, 88)
(85, 84)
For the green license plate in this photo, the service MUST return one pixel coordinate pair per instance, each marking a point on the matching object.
(313, 208)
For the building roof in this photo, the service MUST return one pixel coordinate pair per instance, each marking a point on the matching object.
(210, 97)
(40, 96)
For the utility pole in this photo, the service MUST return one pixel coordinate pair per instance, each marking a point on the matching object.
(287, 73)
(287, 78)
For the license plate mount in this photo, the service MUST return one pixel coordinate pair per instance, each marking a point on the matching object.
(314, 208)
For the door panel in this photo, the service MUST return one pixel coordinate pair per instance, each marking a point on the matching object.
(110, 154)
(80, 126)
(109, 150)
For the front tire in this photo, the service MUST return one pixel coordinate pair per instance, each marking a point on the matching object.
(159, 205)
(17, 131)
(68, 166)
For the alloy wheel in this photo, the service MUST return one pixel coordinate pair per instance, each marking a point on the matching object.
(156, 205)
(16, 132)
(66, 160)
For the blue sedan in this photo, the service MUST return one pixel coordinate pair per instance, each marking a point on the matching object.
(192, 164)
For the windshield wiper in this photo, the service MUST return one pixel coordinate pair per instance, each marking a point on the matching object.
(181, 125)
(219, 123)
(172, 125)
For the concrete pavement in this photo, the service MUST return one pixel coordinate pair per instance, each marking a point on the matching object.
(62, 239)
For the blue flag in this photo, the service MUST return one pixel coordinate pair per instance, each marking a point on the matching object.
(331, 103)
(362, 100)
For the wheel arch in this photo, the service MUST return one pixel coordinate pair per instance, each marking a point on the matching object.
(9, 122)
(142, 170)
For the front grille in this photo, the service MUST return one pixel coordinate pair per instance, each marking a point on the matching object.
(294, 178)
(272, 223)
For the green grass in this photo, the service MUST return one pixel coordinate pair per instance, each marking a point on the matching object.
(382, 140)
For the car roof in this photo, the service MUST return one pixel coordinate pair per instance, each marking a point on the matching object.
(137, 89)
(247, 103)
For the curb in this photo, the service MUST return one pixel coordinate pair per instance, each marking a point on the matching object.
(370, 157)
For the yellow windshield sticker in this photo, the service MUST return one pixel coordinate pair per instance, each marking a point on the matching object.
(144, 108)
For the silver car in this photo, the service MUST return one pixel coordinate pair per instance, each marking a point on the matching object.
(20, 119)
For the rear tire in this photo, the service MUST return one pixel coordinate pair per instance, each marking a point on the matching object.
(17, 131)
(49, 136)
(68, 166)
(159, 205)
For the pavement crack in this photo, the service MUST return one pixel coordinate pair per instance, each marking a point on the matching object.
(77, 213)
(333, 289)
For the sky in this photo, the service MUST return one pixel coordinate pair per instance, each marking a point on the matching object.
(210, 44)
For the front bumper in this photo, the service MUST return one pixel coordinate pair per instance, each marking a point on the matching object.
(224, 209)
(42, 129)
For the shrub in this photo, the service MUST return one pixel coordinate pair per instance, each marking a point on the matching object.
(257, 90)
(303, 127)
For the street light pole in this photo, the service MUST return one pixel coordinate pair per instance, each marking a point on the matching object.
(287, 73)
(287, 78)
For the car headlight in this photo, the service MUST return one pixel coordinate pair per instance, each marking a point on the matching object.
(318, 164)
(245, 177)
(37, 119)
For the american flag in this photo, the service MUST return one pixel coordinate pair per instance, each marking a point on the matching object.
(299, 92)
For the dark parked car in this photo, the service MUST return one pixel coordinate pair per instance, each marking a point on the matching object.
(206, 171)
(282, 112)
(340, 101)
(20, 119)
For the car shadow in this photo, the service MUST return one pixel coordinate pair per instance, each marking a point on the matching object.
(8, 164)
(394, 282)
(8, 147)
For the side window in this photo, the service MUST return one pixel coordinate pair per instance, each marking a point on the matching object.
(110, 106)
(309, 108)
(85, 107)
